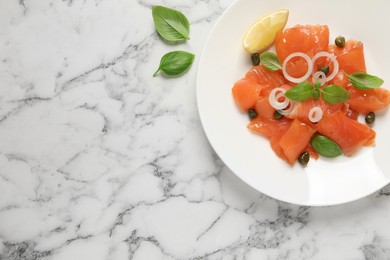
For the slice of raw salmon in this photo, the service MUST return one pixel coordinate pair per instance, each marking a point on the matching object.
(257, 83)
(366, 101)
(363, 101)
(275, 140)
(272, 129)
(264, 108)
(341, 80)
(246, 92)
(349, 134)
(263, 76)
(301, 109)
(308, 39)
(295, 140)
(268, 126)
(350, 57)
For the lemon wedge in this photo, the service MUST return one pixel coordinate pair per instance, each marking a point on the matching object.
(262, 33)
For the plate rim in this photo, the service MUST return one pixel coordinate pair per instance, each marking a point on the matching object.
(242, 177)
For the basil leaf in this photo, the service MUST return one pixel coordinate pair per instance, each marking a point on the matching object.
(317, 85)
(316, 94)
(324, 146)
(300, 92)
(316, 91)
(365, 81)
(270, 61)
(172, 25)
(333, 94)
(175, 63)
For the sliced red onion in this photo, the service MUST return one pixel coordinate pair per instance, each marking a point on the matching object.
(315, 114)
(273, 98)
(319, 76)
(309, 67)
(332, 58)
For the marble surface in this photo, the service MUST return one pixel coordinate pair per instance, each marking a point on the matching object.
(100, 160)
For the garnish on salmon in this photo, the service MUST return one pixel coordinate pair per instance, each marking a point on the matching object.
(308, 93)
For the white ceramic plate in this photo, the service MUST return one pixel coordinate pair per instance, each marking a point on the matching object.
(223, 61)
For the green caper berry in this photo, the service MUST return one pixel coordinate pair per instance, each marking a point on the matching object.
(252, 114)
(255, 59)
(340, 42)
(370, 118)
(325, 70)
(304, 158)
(277, 115)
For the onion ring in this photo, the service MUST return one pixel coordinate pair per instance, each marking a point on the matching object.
(309, 69)
(315, 114)
(273, 98)
(332, 58)
(319, 76)
(287, 111)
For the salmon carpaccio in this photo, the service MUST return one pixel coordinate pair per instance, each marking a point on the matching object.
(290, 136)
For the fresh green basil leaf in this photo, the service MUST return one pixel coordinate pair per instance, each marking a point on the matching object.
(316, 94)
(175, 63)
(365, 81)
(270, 61)
(317, 85)
(324, 146)
(300, 92)
(333, 94)
(316, 91)
(172, 25)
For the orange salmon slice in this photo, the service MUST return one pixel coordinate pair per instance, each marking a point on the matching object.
(295, 140)
(346, 132)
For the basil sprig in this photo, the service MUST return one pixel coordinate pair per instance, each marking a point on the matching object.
(316, 91)
(364, 81)
(332, 94)
(270, 61)
(175, 63)
(172, 25)
(325, 146)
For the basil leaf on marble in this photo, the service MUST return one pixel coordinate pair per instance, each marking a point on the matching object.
(270, 61)
(175, 63)
(364, 81)
(324, 146)
(333, 94)
(172, 25)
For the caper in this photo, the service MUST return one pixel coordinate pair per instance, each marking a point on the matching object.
(252, 114)
(370, 118)
(304, 158)
(340, 42)
(278, 115)
(325, 69)
(255, 59)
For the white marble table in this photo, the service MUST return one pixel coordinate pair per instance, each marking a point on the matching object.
(100, 160)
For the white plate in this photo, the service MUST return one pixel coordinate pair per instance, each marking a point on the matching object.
(223, 61)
